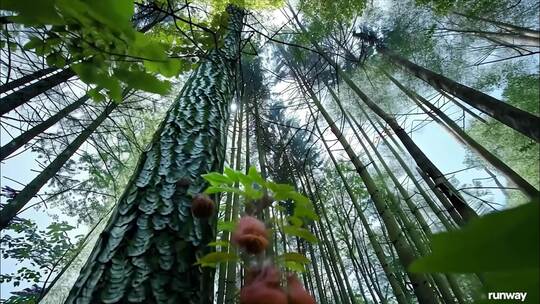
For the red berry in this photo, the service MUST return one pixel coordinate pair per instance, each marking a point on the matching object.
(251, 235)
(264, 289)
(202, 206)
(297, 293)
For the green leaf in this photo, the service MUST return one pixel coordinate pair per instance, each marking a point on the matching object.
(214, 258)
(503, 246)
(232, 174)
(143, 81)
(90, 73)
(32, 12)
(217, 189)
(34, 43)
(279, 188)
(226, 226)
(255, 175)
(215, 179)
(167, 67)
(303, 210)
(295, 221)
(294, 266)
(219, 243)
(506, 240)
(56, 59)
(294, 257)
(300, 232)
(115, 14)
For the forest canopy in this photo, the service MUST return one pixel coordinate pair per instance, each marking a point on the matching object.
(269, 151)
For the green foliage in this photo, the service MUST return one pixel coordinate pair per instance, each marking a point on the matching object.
(100, 35)
(46, 251)
(503, 246)
(28, 295)
(220, 5)
(252, 186)
(293, 261)
(300, 232)
(324, 15)
(473, 7)
(214, 258)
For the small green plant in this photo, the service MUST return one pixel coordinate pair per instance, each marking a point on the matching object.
(258, 194)
(251, 236)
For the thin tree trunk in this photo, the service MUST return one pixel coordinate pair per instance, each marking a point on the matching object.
(23, 95)
(230, 285)
(379, 252)
(464, 108)
(423, 162)
(320, 287)
(226, 217)
(404, 194)
(439, 179)
(327, 269)
(28, 135)
(506, 26)
(420, 282)
(521, 121)
(14, 205)
(26, 79)
(462, 136)
(417, 238)
(411, 176)
(333, 248)
(497, 182)
(510, 38)
(354, 261)
(148, 251)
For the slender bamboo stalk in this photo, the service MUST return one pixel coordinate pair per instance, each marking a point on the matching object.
(521, 121)
(442, 119)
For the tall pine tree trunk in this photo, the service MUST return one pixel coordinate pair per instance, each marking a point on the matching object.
(222, 278)
(420, 282)
(147, 252)
(506, 26)
(19, 141)
(421, 159)
(15, 204)
(230, 285)
(521, 121)
(440, 117)
(26, 79)
(24, 94)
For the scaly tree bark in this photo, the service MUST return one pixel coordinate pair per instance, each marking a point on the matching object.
(147, 252)
(19, 141)
(521, 121)
(440, 117)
